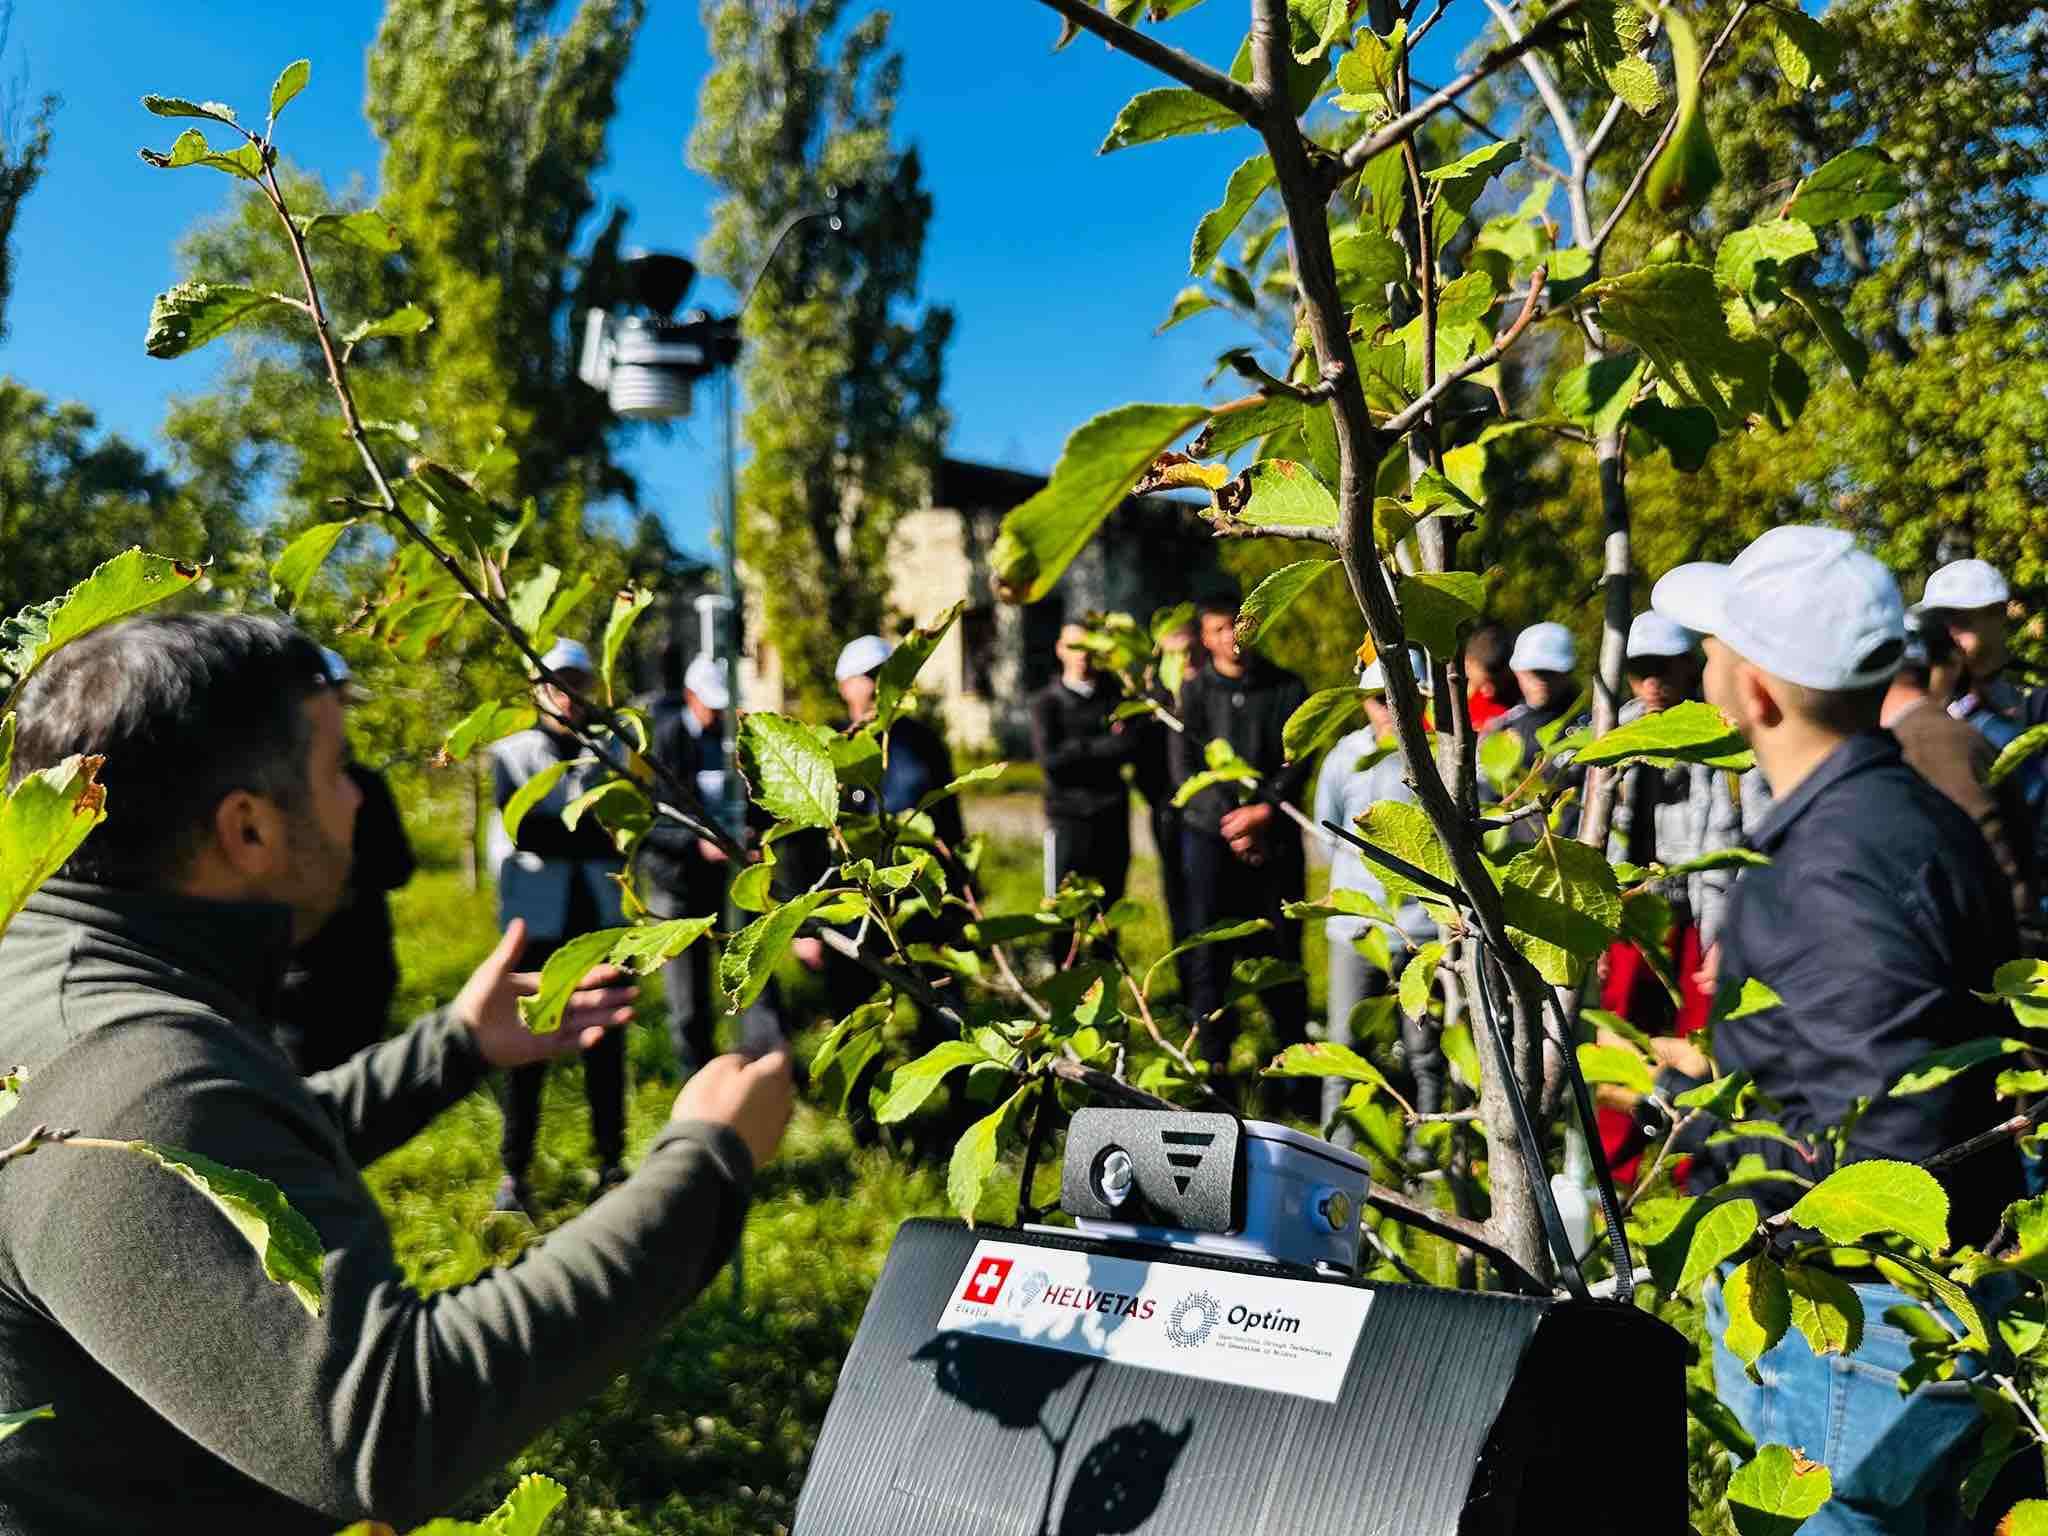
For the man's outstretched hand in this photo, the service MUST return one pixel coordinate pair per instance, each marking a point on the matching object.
(488, 1005)
(752, 1096)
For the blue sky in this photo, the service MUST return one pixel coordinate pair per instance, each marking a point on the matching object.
(1057, 262)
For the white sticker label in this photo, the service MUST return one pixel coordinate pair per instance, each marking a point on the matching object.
(1293, 1336)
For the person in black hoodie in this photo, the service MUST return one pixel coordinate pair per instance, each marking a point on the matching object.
(1243, 856)
(1083, 752)
(336, 998)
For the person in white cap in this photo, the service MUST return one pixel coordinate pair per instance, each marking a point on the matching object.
(1542, 662)
(685, 875)
(1878, 920)
(561, 882)
(1361, 770)
(1968, 598)
(917, 761)
(336, 998)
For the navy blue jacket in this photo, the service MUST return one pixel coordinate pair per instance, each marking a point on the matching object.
(1881, 912)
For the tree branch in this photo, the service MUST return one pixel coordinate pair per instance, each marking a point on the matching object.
(1479, 362)
(1354, 159)
(1184, 67)
(1642, 175)
(1546, 87)
(1312, 533)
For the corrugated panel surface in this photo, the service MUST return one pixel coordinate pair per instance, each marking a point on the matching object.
(943, 1433)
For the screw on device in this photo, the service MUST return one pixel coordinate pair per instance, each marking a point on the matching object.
(1116, 1177)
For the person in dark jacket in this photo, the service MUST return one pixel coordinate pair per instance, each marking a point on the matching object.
(685, 874)
(336, 998)
(138, 989)
(1244, 856)
(1180, 657)
(1542, 663)
(561, 881)
(1083, 752)
(1879, 918)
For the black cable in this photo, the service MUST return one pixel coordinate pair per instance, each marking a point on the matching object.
(1610, 1203)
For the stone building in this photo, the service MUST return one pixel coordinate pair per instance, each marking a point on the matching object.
(1152, 552)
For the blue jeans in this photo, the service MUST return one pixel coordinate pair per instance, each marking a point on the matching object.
(1896, 1461)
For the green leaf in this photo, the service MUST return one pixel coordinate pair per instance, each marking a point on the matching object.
(1686, 169)
(1616, 1064)
(627, 607)
(1673, 312)
(1500, 759)
(532, 792)
(1563, 895)
(1825, 1308)
(1321, 719)
(1188, 303)
(1750, 260)
(1852, 354)
(2017, 751)
(1219, 933)
(1418, 977)
(1366, 262)
(244, 160)
(490, 721)
(10, 1422)
(1939, 1067)
(1773, 1494)
(2022, 985)
(1319, 1058)
(1739, 999)
(1276, 594)
(788, 766)
(640, 949)
(284, 1240)
(1719, 1421)
(974, 1155)
(301, 561)
(1102, 460)
(43, 819)
(1599, 394)
(407, 321)
(1247, 184)
(528, 603)
(1437, 606)
(1808, 53)
(1686, 433)
(1405, 831)
(126, 584)
(192, 314)
(1692, 732)
(1166, 113)
(367, 229)
(1853, 185)
(1721, 1098)
(913, 1082)
(1759, 1310)
(288, 84)
(2029, 1517)
(178, 106)
(987, 773)
(527, 1508)
(1315, 24)
(1877, 1196)
(1277, 493)
(749, 958)
(1716, 1238)
(1459, 183)
(1910, 1273)
(896, 680)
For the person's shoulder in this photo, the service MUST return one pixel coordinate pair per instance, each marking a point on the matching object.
(519, 748)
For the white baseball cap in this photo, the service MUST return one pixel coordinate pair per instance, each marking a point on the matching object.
(569, 656)
(1962, 585)
(706, 679)
(1804, 603)
(1544, 648)
(1652, 634)
(1374, 678)
(861, 657)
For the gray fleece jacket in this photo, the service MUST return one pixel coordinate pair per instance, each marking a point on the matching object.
(186, 1384)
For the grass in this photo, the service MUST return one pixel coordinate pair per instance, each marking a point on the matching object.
(710, 1431)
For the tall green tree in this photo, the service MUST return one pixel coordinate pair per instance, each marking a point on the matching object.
(841, 371)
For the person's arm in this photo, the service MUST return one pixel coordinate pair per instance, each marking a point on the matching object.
(387, 1404)
(384, 1096)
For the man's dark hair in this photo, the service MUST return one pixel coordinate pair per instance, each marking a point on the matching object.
(1217, 601)
(1490, 647)
(185, 710)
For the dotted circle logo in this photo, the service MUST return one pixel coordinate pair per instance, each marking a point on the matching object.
(1193, 1319)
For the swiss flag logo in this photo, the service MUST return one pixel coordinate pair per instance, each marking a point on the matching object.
(985, 1281)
